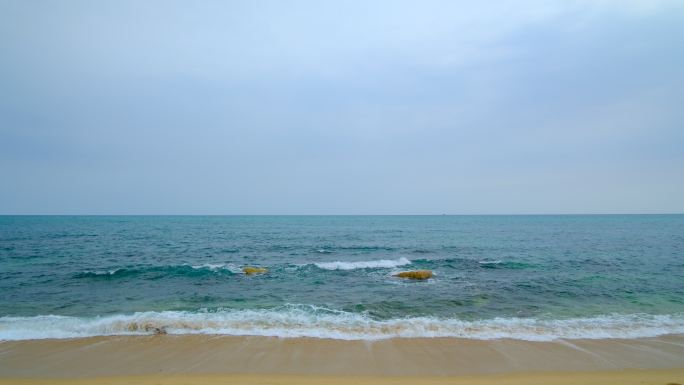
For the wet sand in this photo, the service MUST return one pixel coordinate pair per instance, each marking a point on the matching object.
(626, 377)
(221, 359)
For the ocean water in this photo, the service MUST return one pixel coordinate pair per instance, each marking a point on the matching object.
(524, 277)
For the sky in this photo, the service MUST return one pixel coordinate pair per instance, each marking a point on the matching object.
(341, 107)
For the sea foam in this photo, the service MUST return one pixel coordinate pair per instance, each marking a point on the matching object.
(317, 322)
(217, 267)
(380, 263)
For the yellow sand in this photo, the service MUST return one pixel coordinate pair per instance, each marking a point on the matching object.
(625, 377)
(202, 359)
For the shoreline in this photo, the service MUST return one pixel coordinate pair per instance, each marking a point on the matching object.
(225, 356)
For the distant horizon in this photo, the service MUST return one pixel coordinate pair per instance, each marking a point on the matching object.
(330, 215)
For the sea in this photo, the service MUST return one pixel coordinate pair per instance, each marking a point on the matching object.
(539, 278)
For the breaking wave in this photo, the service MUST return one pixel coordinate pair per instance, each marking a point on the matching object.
(380, 263)
(317, 322)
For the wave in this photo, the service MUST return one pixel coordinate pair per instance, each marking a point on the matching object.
(189, 270)
(380, 263)
(218, 267)
(310, 321)
(490, 262)
(99, 273)
(225, 268)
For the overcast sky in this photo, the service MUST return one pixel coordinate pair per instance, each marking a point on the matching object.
(341, 107)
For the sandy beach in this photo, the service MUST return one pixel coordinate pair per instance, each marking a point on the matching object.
(250, 360)
(627, 377)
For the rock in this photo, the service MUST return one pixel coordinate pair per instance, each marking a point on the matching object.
(251, 270)
(416, 274)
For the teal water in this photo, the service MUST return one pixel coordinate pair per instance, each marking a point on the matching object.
(532, 277)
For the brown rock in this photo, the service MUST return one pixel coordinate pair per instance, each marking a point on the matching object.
(416, 274)
(251, 270)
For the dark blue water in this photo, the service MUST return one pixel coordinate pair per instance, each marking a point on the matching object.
(534, 277)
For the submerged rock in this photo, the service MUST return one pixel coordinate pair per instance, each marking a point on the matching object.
(416, 274)
(251, 270)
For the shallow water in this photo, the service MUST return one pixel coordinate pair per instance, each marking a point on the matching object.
(529, 277)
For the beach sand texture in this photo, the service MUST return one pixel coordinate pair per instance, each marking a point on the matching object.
(626, 377)
(169, 359)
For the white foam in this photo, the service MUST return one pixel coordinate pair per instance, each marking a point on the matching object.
(99, 273)
(380, 263)
(217, 267)
(310, 321)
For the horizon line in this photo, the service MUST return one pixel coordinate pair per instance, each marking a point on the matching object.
(332, 215)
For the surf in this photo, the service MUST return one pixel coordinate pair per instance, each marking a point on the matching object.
(293, 321)
(374, 264)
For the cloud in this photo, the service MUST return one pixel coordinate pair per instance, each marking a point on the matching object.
(341, 107)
